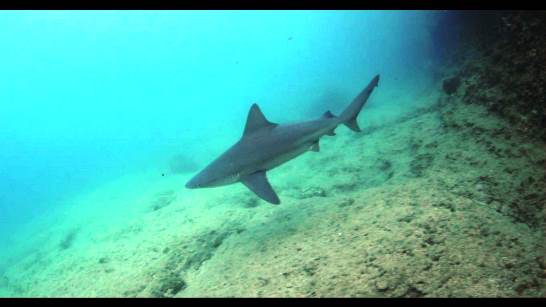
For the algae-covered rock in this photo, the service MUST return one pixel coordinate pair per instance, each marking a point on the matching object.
(450, 85)
(508, 73)
(168, 285)
(313, 192)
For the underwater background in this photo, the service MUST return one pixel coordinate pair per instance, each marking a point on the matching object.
(105, 115)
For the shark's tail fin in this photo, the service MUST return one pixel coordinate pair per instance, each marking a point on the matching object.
(349, 115)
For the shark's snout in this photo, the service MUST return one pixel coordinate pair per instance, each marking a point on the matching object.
(211, 177)
(191, 185)
(194, 183)
(203, 179)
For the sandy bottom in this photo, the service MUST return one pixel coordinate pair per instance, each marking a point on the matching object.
(445, 201)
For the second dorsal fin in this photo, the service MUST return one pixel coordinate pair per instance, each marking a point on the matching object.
(256, 120)
(328, 114)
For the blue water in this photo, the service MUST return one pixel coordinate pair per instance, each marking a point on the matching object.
(88, 96)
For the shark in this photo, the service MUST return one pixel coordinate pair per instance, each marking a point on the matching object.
(265, 145)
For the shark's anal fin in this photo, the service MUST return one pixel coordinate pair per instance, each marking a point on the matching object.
(257, 182)
(256, 120)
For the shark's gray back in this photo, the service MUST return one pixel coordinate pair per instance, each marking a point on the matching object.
(267, 148)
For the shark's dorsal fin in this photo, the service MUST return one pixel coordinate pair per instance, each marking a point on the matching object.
(257, 183)
(256, 120)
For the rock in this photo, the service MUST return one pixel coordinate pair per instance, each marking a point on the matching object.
(169, 285)
(381, 285)
(263, 281)
(313, 192)
(414, 292)
(508, 262)
(383, 164)
(346, 202)
(250, 202)
(420, 163)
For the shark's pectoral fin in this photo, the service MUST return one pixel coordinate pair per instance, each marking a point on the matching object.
(258, 183)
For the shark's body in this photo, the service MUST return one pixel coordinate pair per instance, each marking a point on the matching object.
(265, 145)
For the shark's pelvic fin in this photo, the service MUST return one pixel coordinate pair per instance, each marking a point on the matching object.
(315, 147)
(256, 120)
(257, 182)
